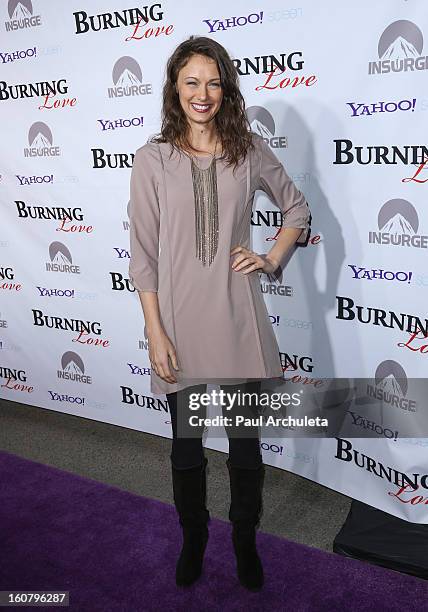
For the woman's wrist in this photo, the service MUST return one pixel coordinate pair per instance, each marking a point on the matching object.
(272, 260)
(154, 328)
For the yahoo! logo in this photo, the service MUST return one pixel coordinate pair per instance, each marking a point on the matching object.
(273, 448)
(274, 319)
(32, 180)
(365, 110)
(61, 397)
(11, 57)
(138, 370)
(113, 124)
(122, 253)
(217, 25)
(45, 292)
(364, 423)
(295, 455)
(21, 15)
(380, 274)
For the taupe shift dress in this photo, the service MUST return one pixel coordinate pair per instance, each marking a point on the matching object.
(215, 317)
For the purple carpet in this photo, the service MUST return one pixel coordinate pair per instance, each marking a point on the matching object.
(115, 551)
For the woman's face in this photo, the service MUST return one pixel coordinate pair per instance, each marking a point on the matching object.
(199, 89)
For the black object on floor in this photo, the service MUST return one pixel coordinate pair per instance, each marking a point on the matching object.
(374, 536)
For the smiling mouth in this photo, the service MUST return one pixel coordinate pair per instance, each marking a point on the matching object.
(201, 108)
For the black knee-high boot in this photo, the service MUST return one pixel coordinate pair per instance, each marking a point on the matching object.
(189, 487)
(246, 487)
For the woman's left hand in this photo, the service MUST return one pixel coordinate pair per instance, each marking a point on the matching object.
(248, 261)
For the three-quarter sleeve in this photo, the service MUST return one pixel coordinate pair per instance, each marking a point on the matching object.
(144, 222)
(276, 183)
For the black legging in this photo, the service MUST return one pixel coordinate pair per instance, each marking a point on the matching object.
(244, 442)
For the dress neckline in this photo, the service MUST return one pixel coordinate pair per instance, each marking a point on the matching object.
(217, 156)
(205, 156)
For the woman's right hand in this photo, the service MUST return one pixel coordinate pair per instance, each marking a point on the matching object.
(161, 349)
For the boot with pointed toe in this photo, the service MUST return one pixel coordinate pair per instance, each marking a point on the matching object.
(246, 487)
(189, 487)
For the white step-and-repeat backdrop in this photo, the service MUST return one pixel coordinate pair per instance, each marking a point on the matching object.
(339, 91)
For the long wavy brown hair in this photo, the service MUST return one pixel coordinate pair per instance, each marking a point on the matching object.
(231, 120)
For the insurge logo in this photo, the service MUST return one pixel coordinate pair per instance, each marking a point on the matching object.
(398, 225)
(400, 49)
(73, 368)
(263, 124)
(391, 386)
(21, 15)
(128, 79)
(61, 259)
(40, 140)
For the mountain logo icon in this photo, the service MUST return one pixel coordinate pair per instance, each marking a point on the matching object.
(127, 71)
(18, 9)
(401, 39)
(391, 377)
(400, 48)
(261, 121)
(40, 135)
(72, 362)
(398, 216)
(59, 253)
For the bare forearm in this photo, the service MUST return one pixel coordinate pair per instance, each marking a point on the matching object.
(284, 241)
(150, 304)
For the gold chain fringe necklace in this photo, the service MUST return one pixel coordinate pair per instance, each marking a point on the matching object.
(206, 209)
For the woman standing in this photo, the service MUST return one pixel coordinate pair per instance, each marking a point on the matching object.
(192, 190)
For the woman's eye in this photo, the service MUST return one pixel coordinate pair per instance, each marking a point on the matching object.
(192, 84)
